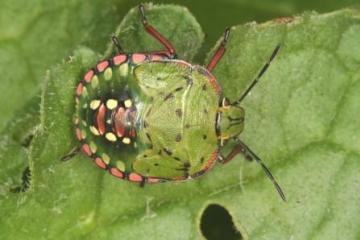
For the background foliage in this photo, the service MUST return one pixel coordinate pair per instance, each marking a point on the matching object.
(302, 119)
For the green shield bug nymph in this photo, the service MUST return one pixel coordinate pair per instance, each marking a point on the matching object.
(150, 118)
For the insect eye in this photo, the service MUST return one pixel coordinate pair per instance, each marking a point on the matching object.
(225, 102)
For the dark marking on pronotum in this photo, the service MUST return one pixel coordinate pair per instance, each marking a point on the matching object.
(187, 125)
(202, 159)
(167, 151)
(178, 138)
(204, 136)
(167, 97)
(156, 164)
(148, 136)
(177, 158)
(178, 89)
(178, 112)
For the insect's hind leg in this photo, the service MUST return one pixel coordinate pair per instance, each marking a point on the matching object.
(250, 155)
(157, 35)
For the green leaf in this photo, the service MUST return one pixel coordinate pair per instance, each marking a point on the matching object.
(35, 35)
(302, 119)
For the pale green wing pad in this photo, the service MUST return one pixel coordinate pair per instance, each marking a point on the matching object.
(159, 76)
(160, 165)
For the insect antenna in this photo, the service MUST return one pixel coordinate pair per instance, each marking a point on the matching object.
(249, 154)
(260, 74)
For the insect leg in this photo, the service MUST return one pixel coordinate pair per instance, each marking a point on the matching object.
(153, 32)
(250, 155)
(117, 44)
(73, 152)
(219, 52)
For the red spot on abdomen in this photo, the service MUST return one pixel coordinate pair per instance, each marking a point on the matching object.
(116, 173)
(79, 89)
(119, 121)
(138, 57)
(119, 59)
(89, 75)
(100, 163)
(100, 119)
(101, 66)
(86, 149)
(134, 177)
(78, 134)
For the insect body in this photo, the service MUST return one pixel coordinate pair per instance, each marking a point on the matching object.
(148, 117)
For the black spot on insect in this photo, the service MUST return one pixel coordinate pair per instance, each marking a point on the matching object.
(178, 112)
(187, 126)
(202, 159)
(178, 138)
(156, 164)
(205, 111)
(177, 159)
(148, 136)
(167, 151)
(185, 168)
(204, 87)
(158, 78)
(204, 136)
(167, 97)
(145, 124)
(145, 156)
(178, 89)
(160, 152)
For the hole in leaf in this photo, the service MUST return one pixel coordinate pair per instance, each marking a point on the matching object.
(216, 223)
(25, 184)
